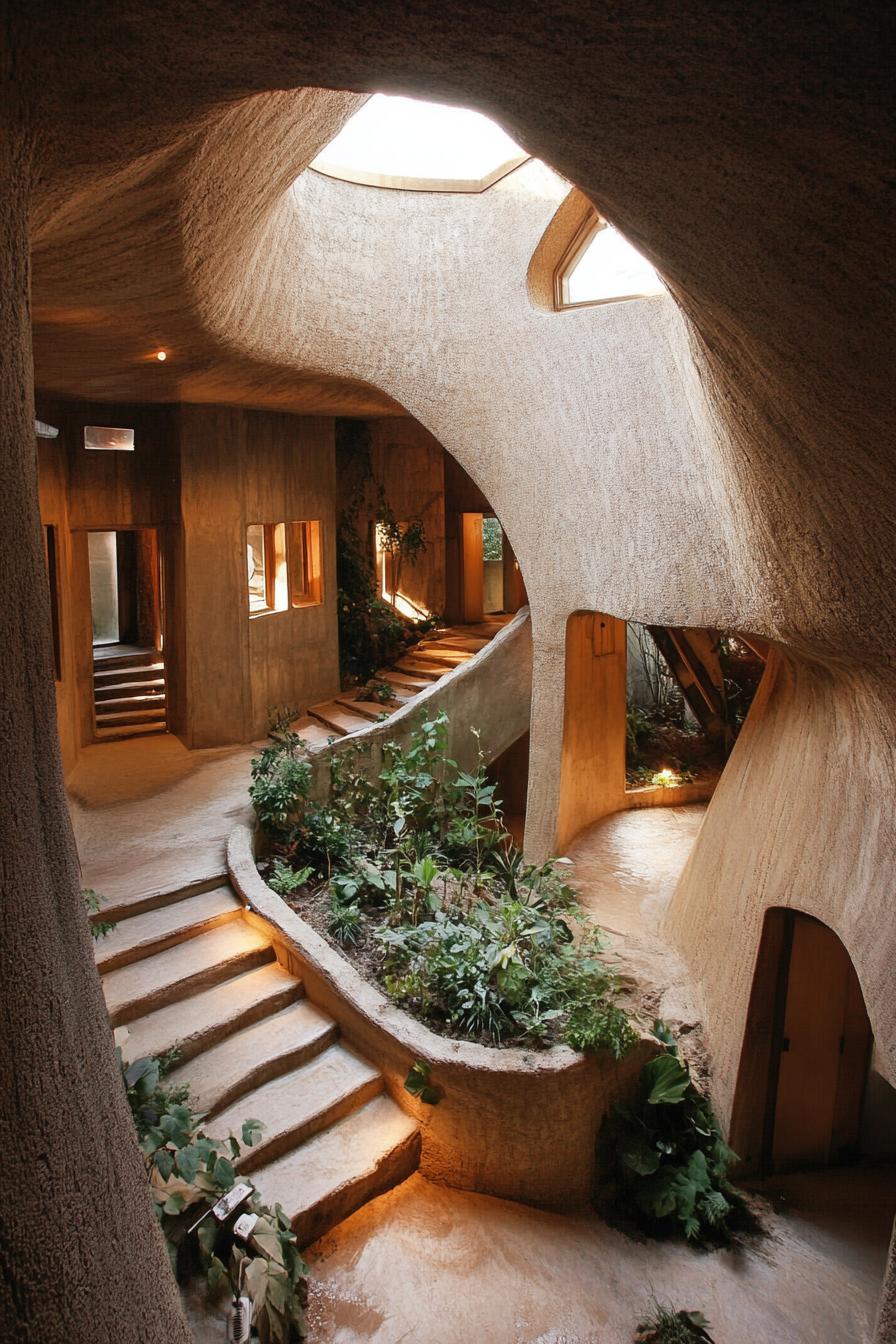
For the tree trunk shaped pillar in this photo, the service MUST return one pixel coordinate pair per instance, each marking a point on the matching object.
(82, 1257)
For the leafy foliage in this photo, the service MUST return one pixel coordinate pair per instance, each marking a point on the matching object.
(99, 928)
(418, 1083)
(371, 633)
(671, 1159)
(422, 873)
(492, 539)
(188, 1172)
(664, 1325)
(286, 880)
(281, 782)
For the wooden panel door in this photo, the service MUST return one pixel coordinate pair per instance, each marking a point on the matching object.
(823, 1054)
(472, 568)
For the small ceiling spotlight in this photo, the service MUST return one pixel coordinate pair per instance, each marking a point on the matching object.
(161, 356)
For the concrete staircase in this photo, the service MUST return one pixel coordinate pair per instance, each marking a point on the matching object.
(129, 693)
(192, 974)
(418, 668)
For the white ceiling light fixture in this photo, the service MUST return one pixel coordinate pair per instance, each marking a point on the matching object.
(411, 145)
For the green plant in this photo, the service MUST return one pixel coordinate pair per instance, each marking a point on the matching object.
(99, 928)
(638, 727)
(281, 783)
(380, 691)
(463, 932)
(671, 1159)
(371, 633)
(188, 1171)
(492, 539)
(147, 1094)
(402, 542)
(345, 922)
(419, 1084)
(285, 880)
(664, 1325)
(280, 720)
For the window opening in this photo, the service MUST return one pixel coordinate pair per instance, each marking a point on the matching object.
(306, 589)
(601, 266)
(493, 565)
(266, 564)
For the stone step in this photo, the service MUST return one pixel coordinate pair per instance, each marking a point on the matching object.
(370, 709)
(123, 906)
(143, 935)
(404, 681)
(181, 971)
(138, 699)
(430, 653)
(313, 732)
(107, 673)
(465, 643)
(335, 716)
(342, 1168)
(418, 668)
(300, 1103)
(253, 1056)
(132, 730)
(200, 1023)
(119, 718)
(112, 690)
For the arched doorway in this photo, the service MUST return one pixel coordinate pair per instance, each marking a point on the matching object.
(806, 1054)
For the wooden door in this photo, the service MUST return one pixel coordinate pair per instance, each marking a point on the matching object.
(823, 1052)
(472, 568)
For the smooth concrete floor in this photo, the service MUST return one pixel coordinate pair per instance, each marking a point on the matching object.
(626, 867)
(428, 1265)
(149, 815)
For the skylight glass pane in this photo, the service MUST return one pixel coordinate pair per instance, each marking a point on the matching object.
(610, 268)
(404, 141)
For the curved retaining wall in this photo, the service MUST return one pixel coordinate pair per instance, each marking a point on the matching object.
(492, 692)
(521, 1124)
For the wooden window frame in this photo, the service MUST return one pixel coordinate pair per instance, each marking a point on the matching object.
(304, 561)
(271, 563)
(579, 244)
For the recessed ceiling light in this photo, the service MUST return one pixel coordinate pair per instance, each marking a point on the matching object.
(161, 356)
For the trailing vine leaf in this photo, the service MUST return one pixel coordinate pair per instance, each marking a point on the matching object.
(419, 1085)
(251, 1132)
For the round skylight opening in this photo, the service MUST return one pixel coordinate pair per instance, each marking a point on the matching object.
(418, 146)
